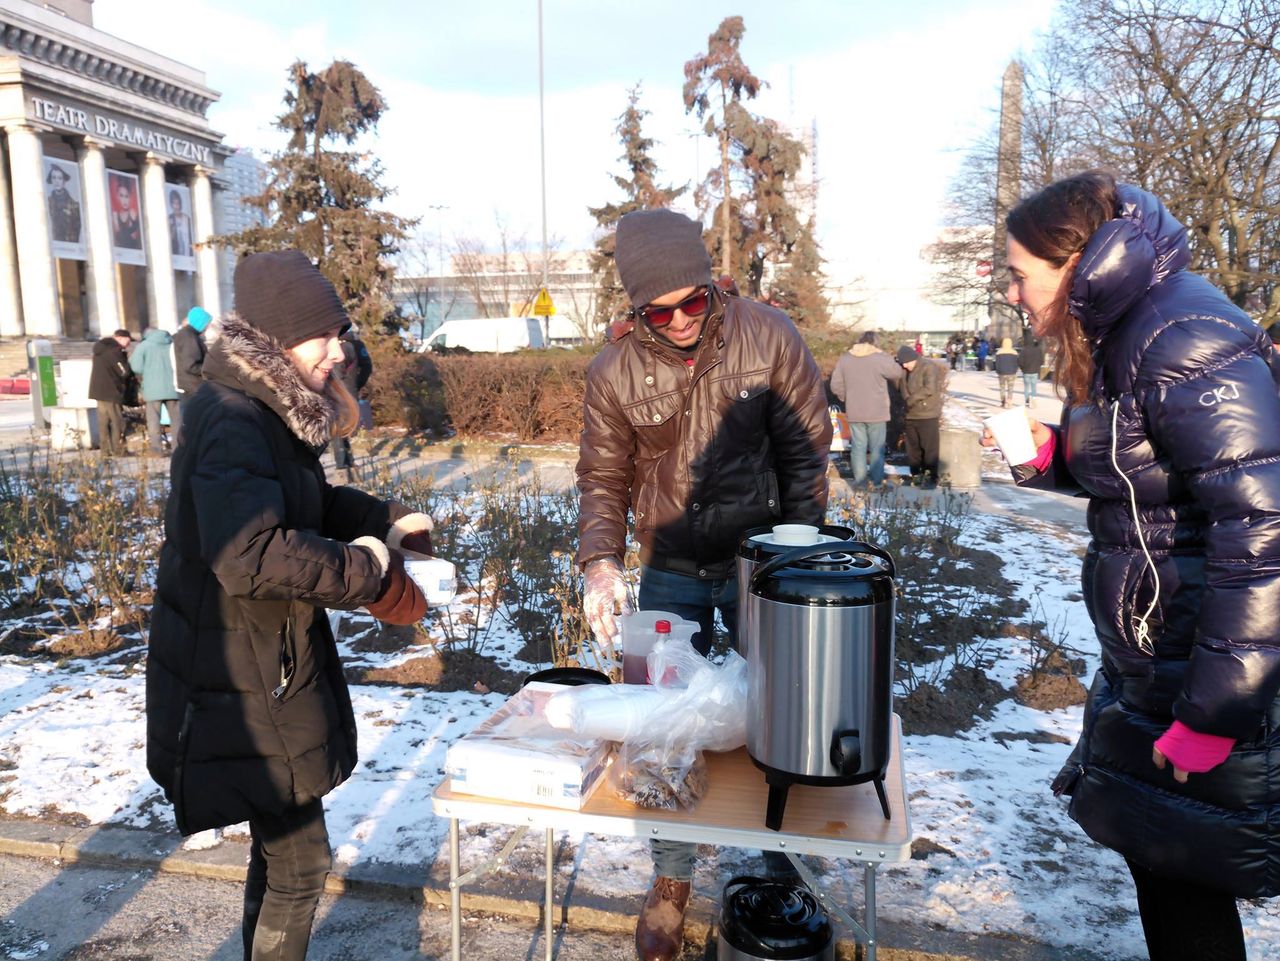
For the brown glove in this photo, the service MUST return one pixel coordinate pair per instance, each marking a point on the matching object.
(418, 541)
(400, 601)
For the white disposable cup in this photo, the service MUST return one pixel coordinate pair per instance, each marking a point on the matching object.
(1012, 432)
(795, 535)
(437, 577)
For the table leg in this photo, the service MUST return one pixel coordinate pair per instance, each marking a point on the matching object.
(455, 893)
(869, 884)
(549, 902)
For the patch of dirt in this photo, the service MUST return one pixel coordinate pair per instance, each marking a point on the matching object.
(23, 641)
(970, 696)
(1048, 692)
(1031, 737)
(444, 670)
(922, 848)
(383, 638)
(89, 643)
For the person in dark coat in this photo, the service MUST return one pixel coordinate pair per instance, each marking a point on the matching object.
(924, 390)
(1172, 428)
(248, 713)
(188, 353)
(1030, 360)
(354, 372)
(109, 383)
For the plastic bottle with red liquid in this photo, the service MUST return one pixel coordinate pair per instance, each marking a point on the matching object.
(635, 666)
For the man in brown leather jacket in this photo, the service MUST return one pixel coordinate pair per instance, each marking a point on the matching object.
(704, 417)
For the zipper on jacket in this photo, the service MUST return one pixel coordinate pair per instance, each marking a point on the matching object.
(286, 660)
(179, 801)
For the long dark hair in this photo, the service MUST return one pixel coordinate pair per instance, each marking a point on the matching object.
(1053, 225)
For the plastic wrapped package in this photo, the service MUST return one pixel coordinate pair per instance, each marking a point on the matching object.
(704, 709)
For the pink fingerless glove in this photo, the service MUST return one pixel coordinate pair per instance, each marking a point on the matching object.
(1193, 751)
(1044, 454)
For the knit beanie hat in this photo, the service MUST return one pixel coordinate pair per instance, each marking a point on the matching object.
(199, 319)
(282, 294)
(907, 354)
(658, 251)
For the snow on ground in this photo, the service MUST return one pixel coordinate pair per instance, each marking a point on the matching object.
(1004, 857)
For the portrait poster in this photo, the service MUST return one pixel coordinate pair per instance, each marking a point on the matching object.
(181, 236)
(124, 203)
(64, 201)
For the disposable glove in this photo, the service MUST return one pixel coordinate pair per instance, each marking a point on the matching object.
(604, 597)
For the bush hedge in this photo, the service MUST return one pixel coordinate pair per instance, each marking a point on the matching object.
(529, 396)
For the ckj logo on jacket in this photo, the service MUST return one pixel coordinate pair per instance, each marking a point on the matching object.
(1220, 395)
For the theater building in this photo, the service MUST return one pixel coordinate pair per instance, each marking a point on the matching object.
(108, 175)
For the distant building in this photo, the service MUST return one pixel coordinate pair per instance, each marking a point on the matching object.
(483, 284)
(108, 176)
(243, 175)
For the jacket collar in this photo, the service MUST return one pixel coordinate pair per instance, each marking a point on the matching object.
(1125, 258)
(246, 359)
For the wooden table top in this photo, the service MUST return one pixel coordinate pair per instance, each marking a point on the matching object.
(842, 821)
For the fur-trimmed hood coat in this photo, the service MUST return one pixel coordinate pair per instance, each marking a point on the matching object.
(247, 707)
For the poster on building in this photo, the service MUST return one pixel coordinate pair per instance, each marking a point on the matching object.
(62, 197)
(126, 218)
(181, 240)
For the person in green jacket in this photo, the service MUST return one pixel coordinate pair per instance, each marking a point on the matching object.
(152, 361)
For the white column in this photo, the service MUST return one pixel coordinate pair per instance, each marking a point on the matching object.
(10, 298)
(162, 298)
(104, 302)
(206, 253)
(40, 310)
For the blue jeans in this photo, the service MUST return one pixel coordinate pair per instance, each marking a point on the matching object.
(1030, 386)
(696, 599)
(864, 439)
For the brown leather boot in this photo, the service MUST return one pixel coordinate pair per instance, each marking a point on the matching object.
(660, 928)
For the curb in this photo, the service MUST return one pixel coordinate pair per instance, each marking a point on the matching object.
(135, 848)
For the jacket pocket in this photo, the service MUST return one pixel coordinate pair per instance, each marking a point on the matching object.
(288, 663)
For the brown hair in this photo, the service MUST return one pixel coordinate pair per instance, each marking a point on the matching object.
(347, 407)
(1054, 225)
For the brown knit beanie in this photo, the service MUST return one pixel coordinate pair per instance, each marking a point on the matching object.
(282, 294)
(658, 251)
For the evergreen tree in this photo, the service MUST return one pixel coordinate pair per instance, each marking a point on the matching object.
(640, 192)
(798, 285)
(320, 198)
(720, 75)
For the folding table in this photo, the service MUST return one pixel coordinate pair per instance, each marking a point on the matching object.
(833, 822)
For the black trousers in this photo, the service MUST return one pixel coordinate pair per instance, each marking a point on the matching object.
(922, 446)
(289, 859)
(1187, 922)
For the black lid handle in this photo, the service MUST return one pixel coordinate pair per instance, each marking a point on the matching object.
(804, 552)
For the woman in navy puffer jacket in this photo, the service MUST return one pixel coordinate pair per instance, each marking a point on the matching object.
(1172, 429)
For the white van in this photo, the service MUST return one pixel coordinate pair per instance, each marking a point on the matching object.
(494, 335)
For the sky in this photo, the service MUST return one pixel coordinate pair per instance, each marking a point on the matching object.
(897, 92)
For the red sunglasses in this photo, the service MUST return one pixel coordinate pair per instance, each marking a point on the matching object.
(695, 305)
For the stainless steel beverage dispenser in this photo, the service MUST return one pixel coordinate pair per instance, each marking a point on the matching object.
(816, 628)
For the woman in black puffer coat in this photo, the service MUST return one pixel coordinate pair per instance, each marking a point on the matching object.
(1172, 429)
(248, 714)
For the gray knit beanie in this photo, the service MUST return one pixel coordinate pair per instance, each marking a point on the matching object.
(658, 251)
(282, 294)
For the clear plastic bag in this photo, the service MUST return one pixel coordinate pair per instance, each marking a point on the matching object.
(705, 710)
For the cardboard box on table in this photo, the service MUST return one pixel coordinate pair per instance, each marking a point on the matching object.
(517, 756)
